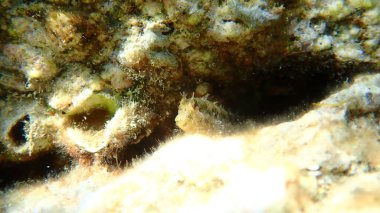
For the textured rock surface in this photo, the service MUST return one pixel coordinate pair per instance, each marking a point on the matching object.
(189, 105)
(327, 159)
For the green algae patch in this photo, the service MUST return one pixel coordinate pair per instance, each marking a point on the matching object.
(95, 101)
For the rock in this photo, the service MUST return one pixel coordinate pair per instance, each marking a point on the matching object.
(356, 194)
(284, 167)
(189, 105)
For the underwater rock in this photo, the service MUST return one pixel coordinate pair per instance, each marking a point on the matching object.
(37, 67)
(88, 120)
(223, 176)
(25, 132)
(199, 115)
(304, 160)
(270, 105)
(355, 194)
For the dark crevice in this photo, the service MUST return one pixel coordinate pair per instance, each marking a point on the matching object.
(48, 165)
(284, 90)
(17, 133)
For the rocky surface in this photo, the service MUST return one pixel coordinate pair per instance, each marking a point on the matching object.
(187, 106)
(325, 160)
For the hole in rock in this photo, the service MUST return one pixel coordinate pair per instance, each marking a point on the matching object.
(17, 133)
(94, 119)
(282, 91)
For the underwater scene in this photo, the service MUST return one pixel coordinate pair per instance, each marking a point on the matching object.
(189, 106)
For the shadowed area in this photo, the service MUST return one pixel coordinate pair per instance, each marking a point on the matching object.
(283, 91)
(48, 165)
(95, 119)
(17, 133)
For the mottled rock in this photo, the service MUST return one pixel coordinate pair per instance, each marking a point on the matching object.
(293, 166)
(231, 105)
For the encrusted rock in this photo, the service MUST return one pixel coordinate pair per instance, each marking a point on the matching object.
(276, 103)
(25, 132)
